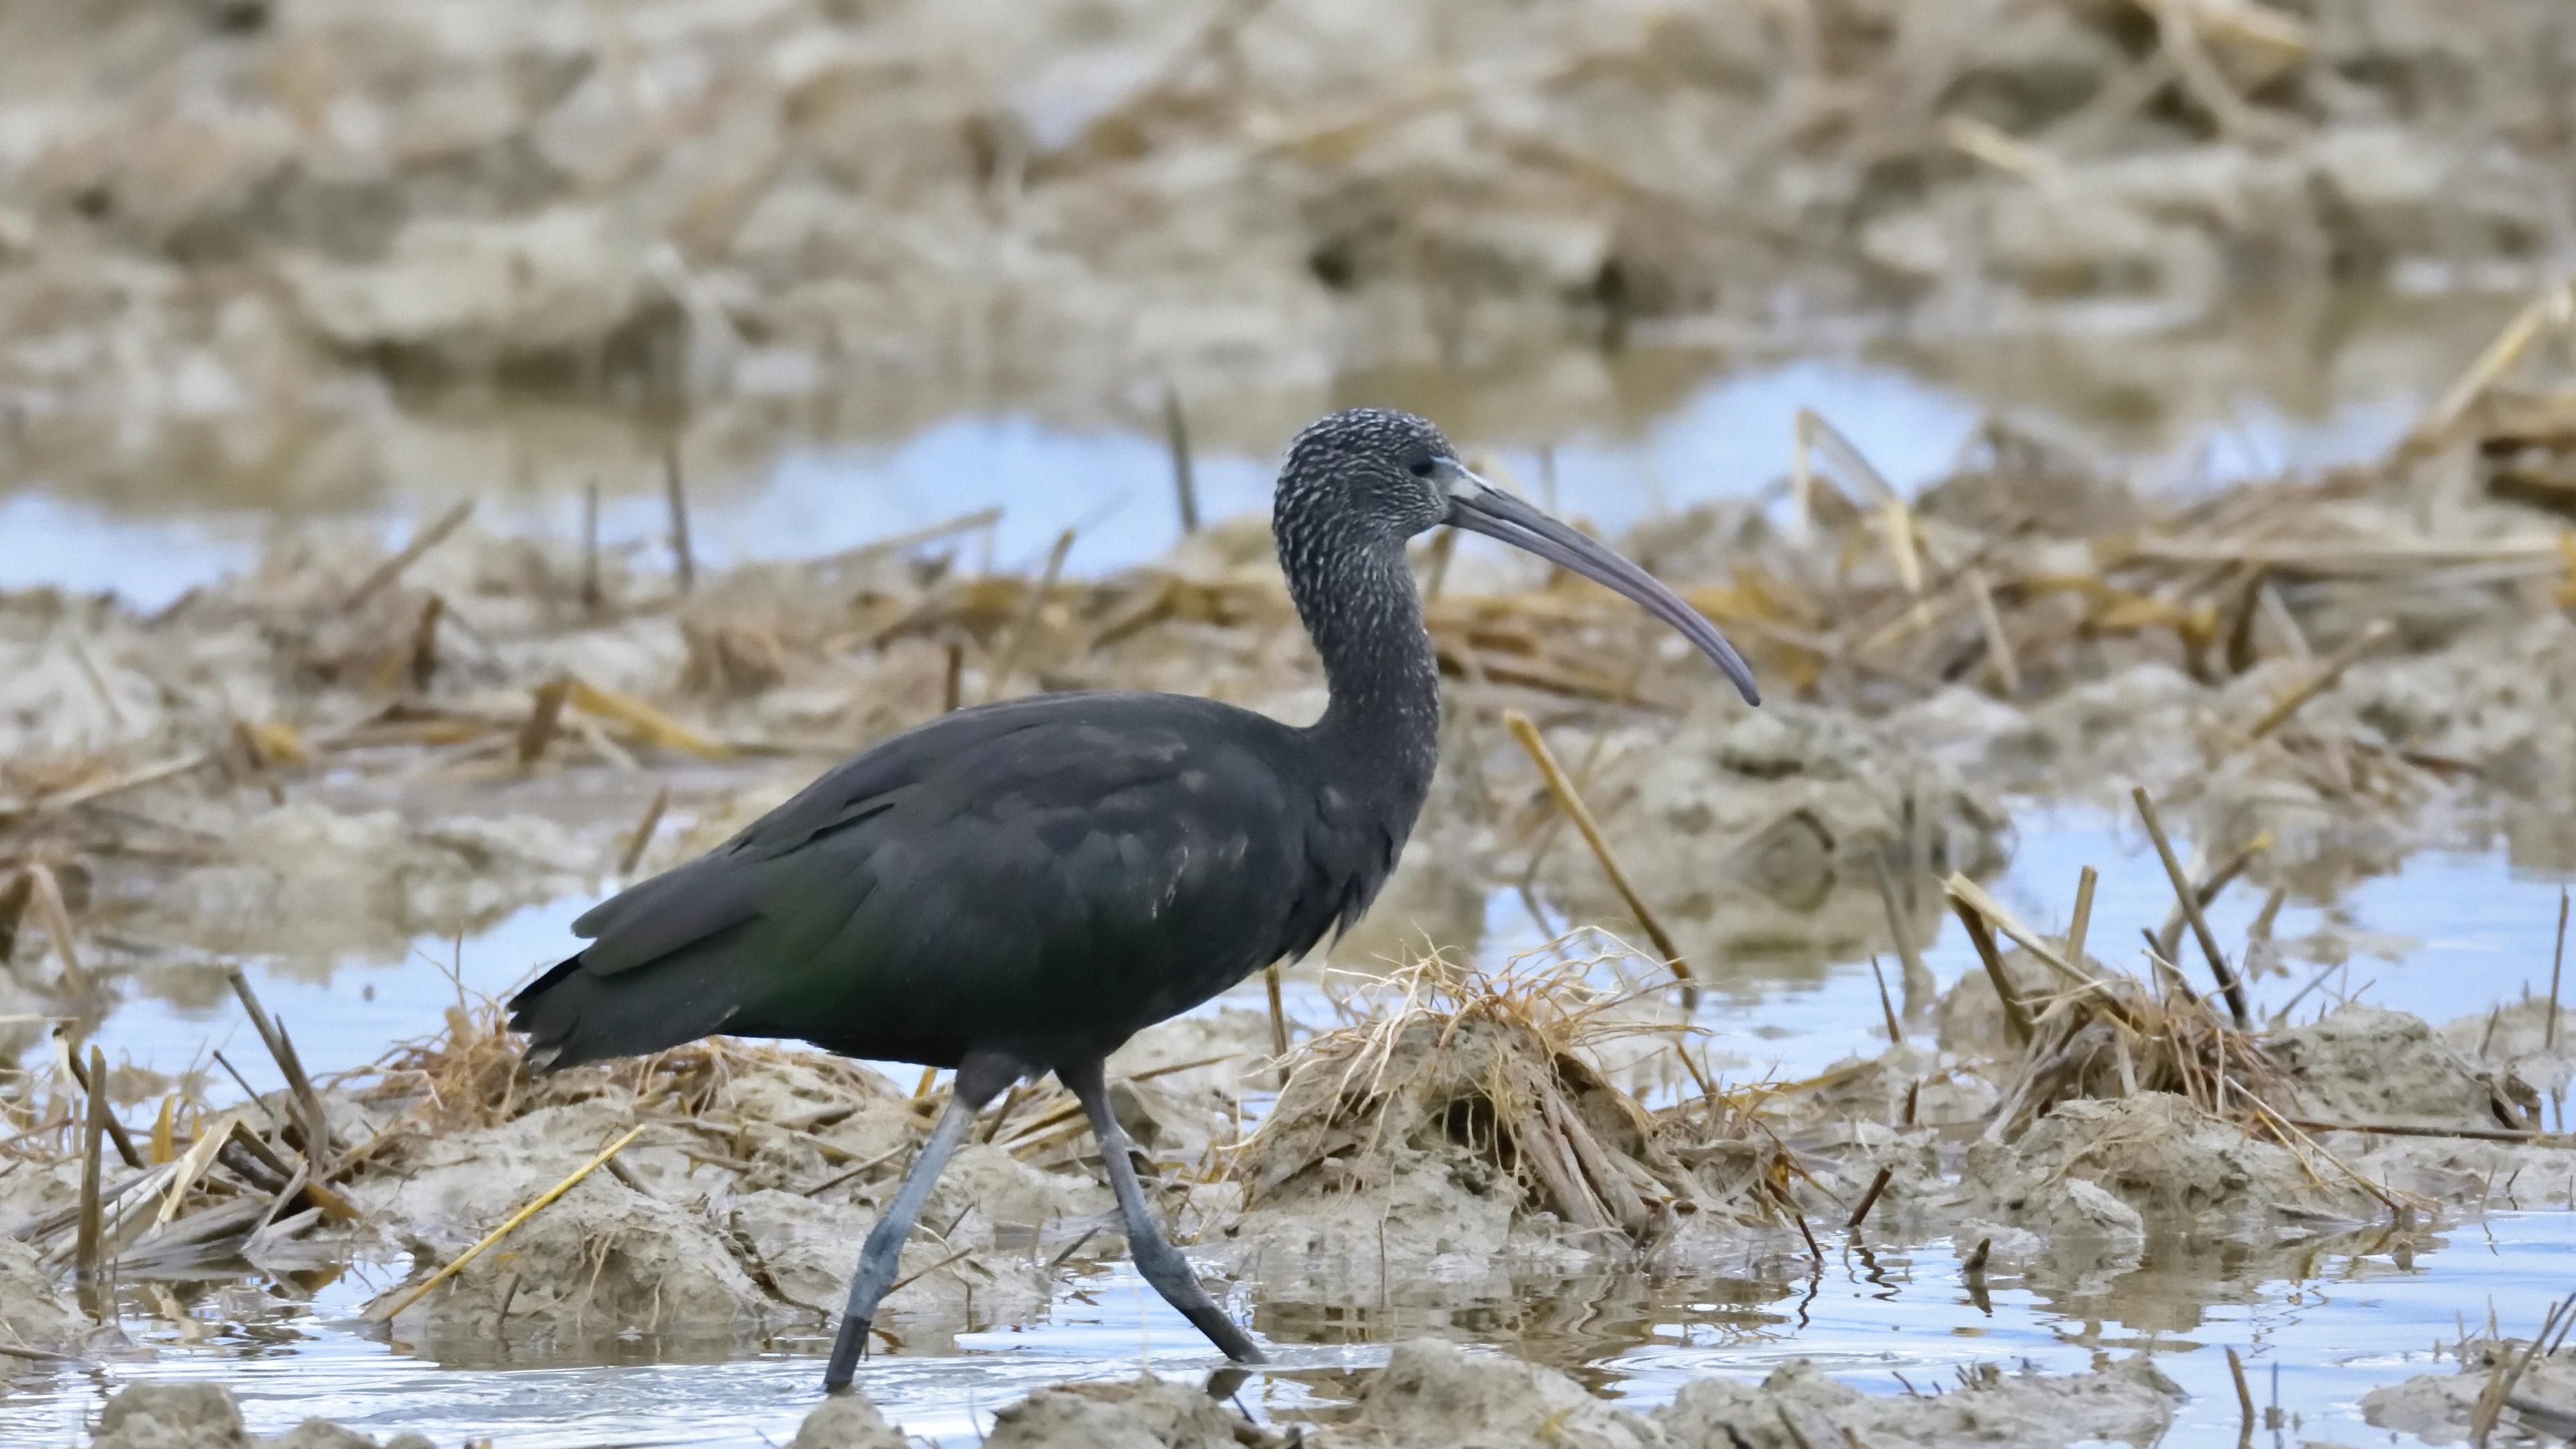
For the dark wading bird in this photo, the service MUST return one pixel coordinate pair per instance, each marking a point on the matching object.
(1017, 889)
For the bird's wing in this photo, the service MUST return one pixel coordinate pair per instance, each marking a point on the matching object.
(691, 902)
(990, 831)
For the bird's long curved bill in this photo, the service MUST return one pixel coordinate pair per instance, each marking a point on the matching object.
(1479, 507)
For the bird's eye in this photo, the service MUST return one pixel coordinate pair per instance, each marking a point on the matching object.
(1422, 469)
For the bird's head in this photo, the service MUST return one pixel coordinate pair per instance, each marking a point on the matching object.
(1386, 475)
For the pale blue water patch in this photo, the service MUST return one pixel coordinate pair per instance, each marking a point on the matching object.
(2451, 934)
(289, 1359)
(1731, 437)
(352, 1015)
(70, 544)
(2364, 1319)
(1735, 437)
(2261, 440)
(1114, 488)
(1881, 1317)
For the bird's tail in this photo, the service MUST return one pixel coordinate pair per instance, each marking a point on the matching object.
(573, 1016)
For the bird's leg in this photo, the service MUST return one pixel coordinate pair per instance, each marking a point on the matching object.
(1160, 1262)
(978, 1080)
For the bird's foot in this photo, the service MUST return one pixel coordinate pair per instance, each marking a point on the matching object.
(848, 1349)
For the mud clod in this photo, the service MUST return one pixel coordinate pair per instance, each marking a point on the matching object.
(171, 1416)
(1146, 1413)
(2539, 1396)
(1431, 1393)
(2129, 1402)
(2157, 1155)
(204, 1416)
(2368, 1064)
(847, 1420)
(33, 1311)
(601, 1262)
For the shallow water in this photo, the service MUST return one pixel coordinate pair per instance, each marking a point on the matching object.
(2364, 1310)
(2363, 1313)
(1649, 431)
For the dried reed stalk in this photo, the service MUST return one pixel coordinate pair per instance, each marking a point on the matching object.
(675, 495)
(86, 1254)
(421, 543)
(48, 896)
(643, 836)
(1981, 936)
(2190, 899)
(116, 1132)
(1572, 804)
(1016, 642)
(2557, 961)
(2323, 677)
(317, 1127)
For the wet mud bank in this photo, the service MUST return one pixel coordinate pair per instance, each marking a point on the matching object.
(1429, 1396)
(226, 232)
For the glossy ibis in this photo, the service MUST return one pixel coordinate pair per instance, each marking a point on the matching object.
(1018, 888)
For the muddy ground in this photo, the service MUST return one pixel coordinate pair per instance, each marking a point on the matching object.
(349, 749)
(226, 228)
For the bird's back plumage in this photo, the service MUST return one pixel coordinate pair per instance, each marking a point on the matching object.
(1041, 877)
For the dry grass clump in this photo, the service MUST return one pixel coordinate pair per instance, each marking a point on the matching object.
(2104, 1035)
(1489, 1071)
(2117, 1038)
(2098, 1032)
(473, 1074)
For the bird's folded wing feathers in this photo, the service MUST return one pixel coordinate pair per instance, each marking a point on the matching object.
(1006, 772)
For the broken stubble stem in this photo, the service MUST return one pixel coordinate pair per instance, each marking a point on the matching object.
(515, 1219)
(1278, 1023)
(683, 562)
(424, 651)
(317, 1129)
(2324, 677)
(116, 1134)
(545, 712)
(1572, 804)
(85, 1253)
(2557, 960)
(421, 543)
(1982, 936)
(1027, 623)
(1999, 651)
(2185, 892)
(643, 835)
(2082, 925)
(1176, 434)
(1869, 1199)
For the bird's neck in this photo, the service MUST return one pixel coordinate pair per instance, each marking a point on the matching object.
(1366, 619)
